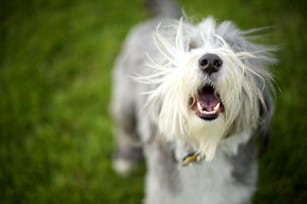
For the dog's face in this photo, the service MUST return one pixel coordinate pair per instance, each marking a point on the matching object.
(212, 83)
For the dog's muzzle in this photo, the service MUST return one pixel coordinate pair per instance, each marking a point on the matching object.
(207, 103)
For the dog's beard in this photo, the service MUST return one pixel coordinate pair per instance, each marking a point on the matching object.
(178, 82)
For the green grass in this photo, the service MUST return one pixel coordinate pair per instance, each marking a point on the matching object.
(55, 65)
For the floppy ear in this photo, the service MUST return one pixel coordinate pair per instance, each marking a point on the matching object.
(266, 109)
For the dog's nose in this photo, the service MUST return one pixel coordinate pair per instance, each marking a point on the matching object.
(210, 63)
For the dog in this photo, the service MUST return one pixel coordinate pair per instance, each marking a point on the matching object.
(189, 98)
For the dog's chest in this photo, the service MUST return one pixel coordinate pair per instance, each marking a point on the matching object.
(209, 182)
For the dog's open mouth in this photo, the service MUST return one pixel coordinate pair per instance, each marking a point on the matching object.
(207, 104)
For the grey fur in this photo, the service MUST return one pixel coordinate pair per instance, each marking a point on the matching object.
(244, 163)
(166, 8)
(235, 158)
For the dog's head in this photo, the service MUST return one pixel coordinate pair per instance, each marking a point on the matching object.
(212, 82)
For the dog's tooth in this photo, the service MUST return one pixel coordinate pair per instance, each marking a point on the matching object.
(217, 106)
(199, 107)
(208, 112)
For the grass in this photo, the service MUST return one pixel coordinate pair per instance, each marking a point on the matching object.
(55, 65)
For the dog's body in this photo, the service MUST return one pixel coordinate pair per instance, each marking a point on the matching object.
(191, 94)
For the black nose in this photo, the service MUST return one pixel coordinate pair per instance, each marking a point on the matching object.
(210, 63)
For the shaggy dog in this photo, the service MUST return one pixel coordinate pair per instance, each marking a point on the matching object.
(189, 97)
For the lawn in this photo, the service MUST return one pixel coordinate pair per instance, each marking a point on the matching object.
(56, 59)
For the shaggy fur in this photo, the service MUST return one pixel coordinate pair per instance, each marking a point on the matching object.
(160, 104)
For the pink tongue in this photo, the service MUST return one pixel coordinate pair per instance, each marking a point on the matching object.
(208, 101)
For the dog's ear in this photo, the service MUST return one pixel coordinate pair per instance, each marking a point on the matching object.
(266, 109)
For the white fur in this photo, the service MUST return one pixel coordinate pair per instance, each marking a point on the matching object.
(214, 180)
(205, 136)
(179, 78)
(167, 79)
(207, 182)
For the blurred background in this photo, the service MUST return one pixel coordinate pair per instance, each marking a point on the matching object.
(55, 66)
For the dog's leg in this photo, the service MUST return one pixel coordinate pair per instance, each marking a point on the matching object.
(128, 153)
(128, 149)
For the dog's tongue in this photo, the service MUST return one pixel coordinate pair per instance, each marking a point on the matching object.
(208, 101)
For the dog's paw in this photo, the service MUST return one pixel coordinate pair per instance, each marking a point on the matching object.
(123, 167)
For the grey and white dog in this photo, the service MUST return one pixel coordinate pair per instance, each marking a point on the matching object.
(190, 97)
